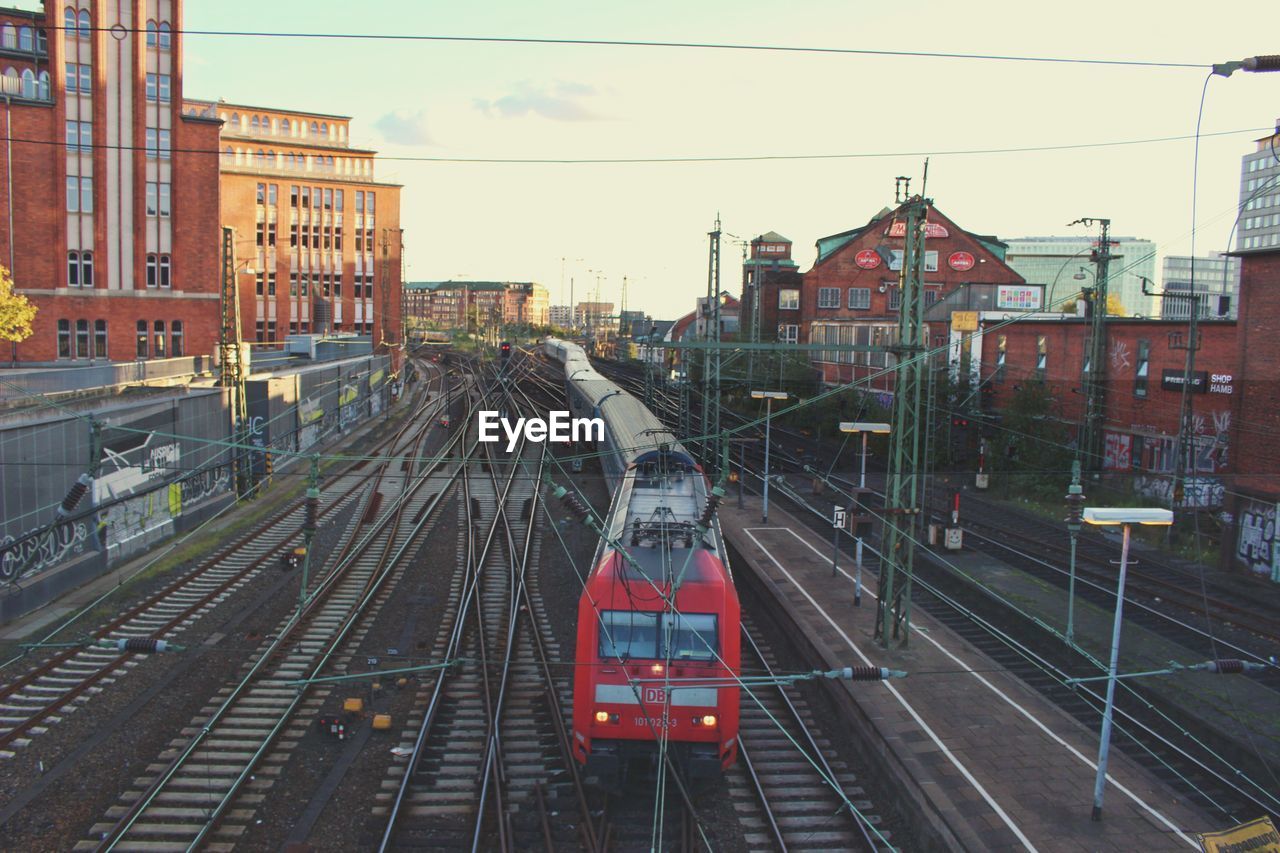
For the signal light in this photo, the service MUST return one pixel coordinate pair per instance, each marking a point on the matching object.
(506, 349)
(960, 422)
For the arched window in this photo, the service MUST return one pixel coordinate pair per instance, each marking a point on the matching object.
(324, 128)
(43, 87)
(8, 37)
(271, 159)
(69, 22)
(99, 338)
(166, 270)
(151, 33)
(151, 271)
(82, 338)
(176, 333)
(315, 129)
(157, 346)
(143, 350)
(253, 125)
(83, 21)
(261, 157)
(28, 83)
(228, 154)
(284, 126)
(166, 37)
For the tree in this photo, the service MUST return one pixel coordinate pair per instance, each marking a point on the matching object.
(16, 311)
(1115, 308)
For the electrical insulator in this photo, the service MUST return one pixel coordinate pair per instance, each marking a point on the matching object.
(1226, 667)
(866, 673)
(1270, 62)
(1075, 504)
(74, 495)
(143, 645)
(708, 511)
(267, 463)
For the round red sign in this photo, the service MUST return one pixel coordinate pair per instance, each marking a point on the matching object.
(867, 259)
(960, 261)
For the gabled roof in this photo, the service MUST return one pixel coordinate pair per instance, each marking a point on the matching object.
(772, 237)
(827, 246)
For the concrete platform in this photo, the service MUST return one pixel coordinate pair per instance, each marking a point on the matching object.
(985, 761)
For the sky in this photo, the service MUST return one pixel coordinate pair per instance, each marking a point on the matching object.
(590, 223)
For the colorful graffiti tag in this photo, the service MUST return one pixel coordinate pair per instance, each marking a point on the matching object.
(1256, 543)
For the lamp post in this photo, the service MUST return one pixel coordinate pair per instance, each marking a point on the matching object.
(768, 397)
(865, 428)
(1126, 517)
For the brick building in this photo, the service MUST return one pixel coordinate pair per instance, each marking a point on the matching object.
(767, 272)
(318, 239)
(1254, 500)
(110, 215)
(449, 304)
(851, 295)
(1143, 397)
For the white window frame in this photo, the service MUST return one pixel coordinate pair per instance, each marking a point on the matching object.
(788, 299)
(788, 333)
(860, 299)
(828, 297)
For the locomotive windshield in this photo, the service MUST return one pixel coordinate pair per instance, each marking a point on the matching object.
(635, 635)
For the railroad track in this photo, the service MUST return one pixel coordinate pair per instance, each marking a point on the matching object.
(788, 787)
(203, 791)
(490, 747)
(36, 699)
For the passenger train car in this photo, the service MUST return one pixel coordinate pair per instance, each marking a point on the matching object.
(659, 608)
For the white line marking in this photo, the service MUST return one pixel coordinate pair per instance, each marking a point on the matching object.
(910, 710)
(1093, 765)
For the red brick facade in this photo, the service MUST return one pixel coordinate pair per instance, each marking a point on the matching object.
(310, 224)
(1257, 422)
(850, 294)
(144, 209)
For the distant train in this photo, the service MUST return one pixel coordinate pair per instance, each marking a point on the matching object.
(659, 609)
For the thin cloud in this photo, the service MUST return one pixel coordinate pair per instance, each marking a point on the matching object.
(562, 101)
(404, 128)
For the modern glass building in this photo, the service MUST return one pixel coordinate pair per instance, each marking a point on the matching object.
(1055, 261)
(1217, 282)
(1259, 226)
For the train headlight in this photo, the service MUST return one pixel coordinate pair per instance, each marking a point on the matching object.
(708, 720)
(657, 669)
(602, 716)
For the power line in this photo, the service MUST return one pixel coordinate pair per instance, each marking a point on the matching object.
(118, 31)
(746, 158)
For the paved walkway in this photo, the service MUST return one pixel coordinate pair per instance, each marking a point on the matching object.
(991, 760)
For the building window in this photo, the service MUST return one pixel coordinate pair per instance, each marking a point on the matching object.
(82, 338)
(99, 338)
(258, 281)
(158, 199)
(151, 271)
(25, 41)
(151, 33)
(860, 298)
(271, 330)
(83, 20)
(787, 299)
(9, 38)
(175, 334)
(271, 284)
(80, 269)
(284, 126)
(895, 297)
(166, 265)
(158, 87)
(828, 297)
(788, 333)
(158, 347)
(1042, 357)
(259, 327)
(1002, 351)
(64, 339)
(79, 136)
(79, 194)
(142, 339)
(1143, 368)
(79, 79)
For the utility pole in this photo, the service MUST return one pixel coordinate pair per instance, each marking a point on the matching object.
(387, 339)
(711, 358)
(902, 493)
(1184, 457)
(1096, 353)
(231, 356)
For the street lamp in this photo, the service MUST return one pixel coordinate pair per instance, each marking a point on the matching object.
(768, 397)
(1126, 517)
(865, 428)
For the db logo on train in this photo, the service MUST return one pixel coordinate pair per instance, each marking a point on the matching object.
(653, 695)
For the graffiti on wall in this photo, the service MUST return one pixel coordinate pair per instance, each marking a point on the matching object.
(1255, 545)
(1117, 452)
(1198, 492)
(41, 552)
